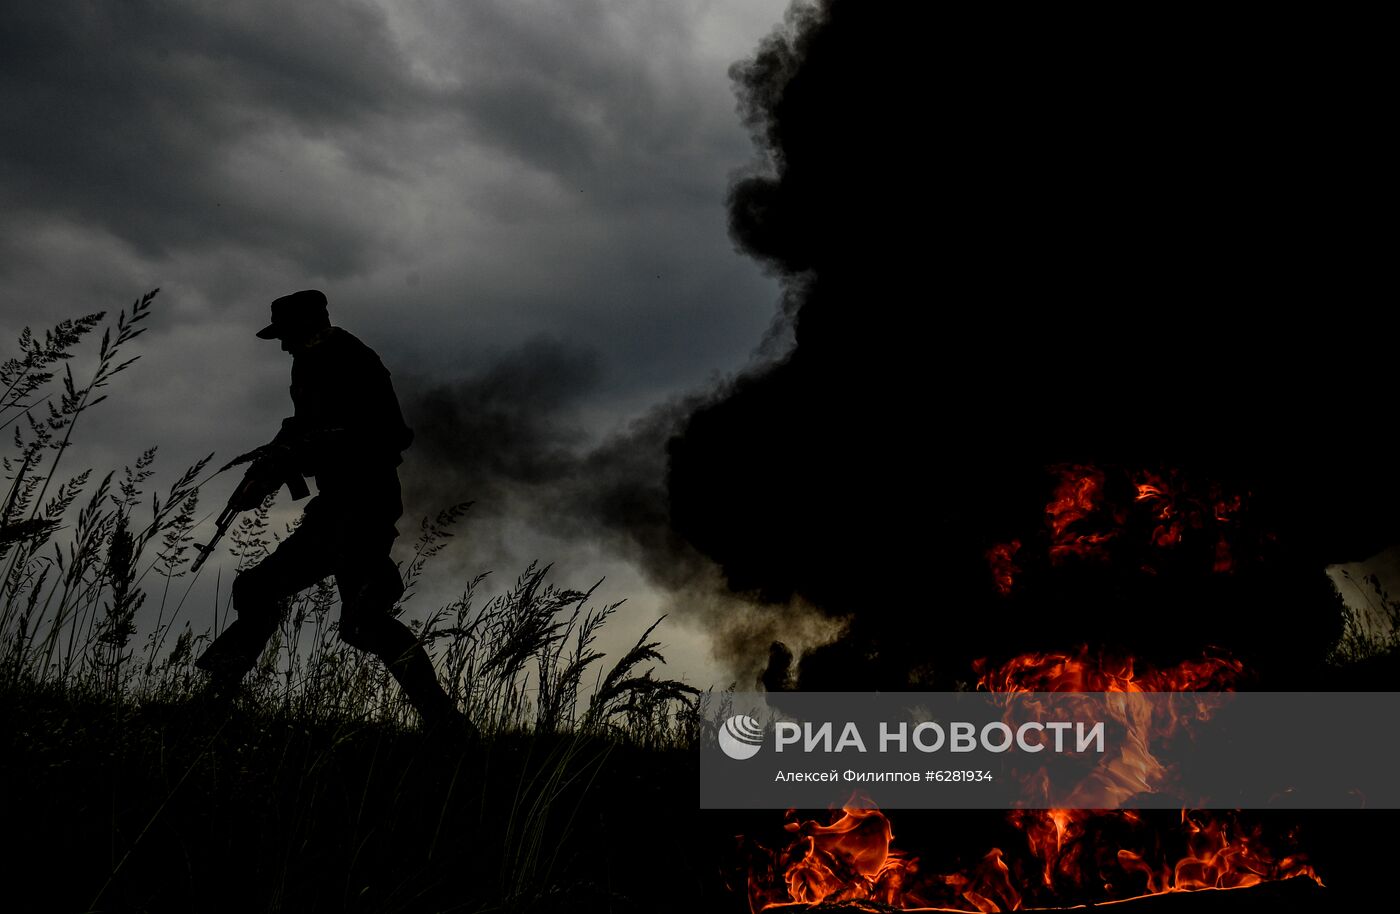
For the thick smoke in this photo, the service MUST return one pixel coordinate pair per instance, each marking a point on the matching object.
(1015, 244)
(510, 439)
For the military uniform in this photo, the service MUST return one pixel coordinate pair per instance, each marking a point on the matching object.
(349, 433)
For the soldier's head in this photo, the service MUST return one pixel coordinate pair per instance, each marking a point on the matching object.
(297, 319)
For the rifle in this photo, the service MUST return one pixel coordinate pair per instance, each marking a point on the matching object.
(253, 481)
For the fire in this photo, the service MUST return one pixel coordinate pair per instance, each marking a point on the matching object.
(1001, 558)
(1149, 516)
(1217, 859)
(1179, 512)
(1171, 524)
(1212, 851)
(1076, 502)
(1132, 768)
(1070, 857)
(1086, 672)
(1062, 856)
(849, 859)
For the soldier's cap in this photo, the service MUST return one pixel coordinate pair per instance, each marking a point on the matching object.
(296, 314)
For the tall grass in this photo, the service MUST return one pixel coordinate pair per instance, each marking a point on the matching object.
(1371, 630)
(84, 557)
(315, 781)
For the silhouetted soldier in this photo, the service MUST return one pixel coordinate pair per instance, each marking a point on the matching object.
(348, 432)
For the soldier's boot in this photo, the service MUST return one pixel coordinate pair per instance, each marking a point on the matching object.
(406, 659)
(367, 622)
(226, 662)
(416, 676)
(238, 647)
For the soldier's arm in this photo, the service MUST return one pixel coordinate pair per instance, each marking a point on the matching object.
(364, 419)
(374, 421)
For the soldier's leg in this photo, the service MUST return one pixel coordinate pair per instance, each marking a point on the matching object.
(259, 597)
(369, 588)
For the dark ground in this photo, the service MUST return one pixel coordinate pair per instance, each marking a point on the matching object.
(256, 813)
(164, 809)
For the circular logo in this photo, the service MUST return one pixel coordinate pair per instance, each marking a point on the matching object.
(741, 737)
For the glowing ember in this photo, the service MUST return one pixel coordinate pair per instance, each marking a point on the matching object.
(1148, 516)
(1004, 570)
(1074, 506)
(1171, 522)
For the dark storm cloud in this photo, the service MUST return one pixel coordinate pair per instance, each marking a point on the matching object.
(181, 126)
(126, 116)
(464, 180)
(596, 106)
(496, 171)
(1011, 245)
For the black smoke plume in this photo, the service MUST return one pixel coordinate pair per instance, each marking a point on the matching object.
(509, 438)
(1021, 242)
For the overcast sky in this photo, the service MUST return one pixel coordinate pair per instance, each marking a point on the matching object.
(465, 181)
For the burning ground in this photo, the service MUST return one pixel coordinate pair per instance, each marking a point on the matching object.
(1048, 857)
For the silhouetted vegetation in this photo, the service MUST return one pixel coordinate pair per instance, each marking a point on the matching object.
(1371, 632)
(314, 790)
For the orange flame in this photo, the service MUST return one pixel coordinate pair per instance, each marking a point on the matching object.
(851, 859)
(1069, 853)
(1216, 860)
(1001, 558)
(1131, 768)
(1081, 672)
(1077, 499)
(1090, 510)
